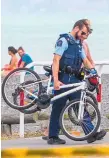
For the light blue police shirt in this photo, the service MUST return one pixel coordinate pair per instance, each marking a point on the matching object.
(62, 45)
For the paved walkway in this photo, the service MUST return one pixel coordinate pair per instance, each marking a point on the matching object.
(37, 142)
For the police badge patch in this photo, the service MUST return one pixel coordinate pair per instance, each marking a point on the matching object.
(59, 43)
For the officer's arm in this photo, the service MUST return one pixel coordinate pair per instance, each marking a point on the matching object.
(55, 66)
(61, 46)
(86, 62)
(87, 51)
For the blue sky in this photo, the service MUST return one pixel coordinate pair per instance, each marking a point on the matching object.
(36, 24)
(34, 6)
(48, 8)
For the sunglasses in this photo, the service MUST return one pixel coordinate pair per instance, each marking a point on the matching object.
(83, 33)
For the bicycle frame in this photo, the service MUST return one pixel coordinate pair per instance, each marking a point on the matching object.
(79, 86)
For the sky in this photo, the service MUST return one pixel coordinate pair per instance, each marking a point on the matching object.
(34, 6)
(36, 25)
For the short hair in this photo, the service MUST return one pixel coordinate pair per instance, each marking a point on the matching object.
(81, 23)
(12, 49)
(87, 25)
(21, 48)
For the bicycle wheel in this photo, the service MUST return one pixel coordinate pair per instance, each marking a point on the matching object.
(73, 115)
(13, 83)
(76, 132)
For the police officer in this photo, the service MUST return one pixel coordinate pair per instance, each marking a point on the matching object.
(68, 58)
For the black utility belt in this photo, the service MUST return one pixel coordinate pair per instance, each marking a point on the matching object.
(72, 72)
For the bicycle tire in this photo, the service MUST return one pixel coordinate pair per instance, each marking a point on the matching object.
(30, 111)
(91, 97)
(3, 87)
(90, 134)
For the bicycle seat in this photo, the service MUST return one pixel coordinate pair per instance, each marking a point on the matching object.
(48, 68)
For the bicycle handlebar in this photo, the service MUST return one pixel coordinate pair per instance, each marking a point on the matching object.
(89, 75)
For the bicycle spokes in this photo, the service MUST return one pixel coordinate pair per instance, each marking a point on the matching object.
(82, 126)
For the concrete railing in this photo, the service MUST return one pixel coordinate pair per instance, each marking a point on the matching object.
(100, 65)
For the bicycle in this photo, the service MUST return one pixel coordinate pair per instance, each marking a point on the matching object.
(43, 100)
(38, 91)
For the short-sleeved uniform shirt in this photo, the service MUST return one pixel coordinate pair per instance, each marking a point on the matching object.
(62, 45)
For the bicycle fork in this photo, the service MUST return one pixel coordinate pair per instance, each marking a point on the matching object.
(81, 105)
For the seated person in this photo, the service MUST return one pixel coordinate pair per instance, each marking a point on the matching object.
(13, 62)
(25, 58)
